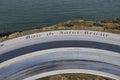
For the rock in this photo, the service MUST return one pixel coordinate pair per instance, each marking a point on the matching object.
(14, 35)
(105, 21)
(94, 28)
(29, 31)
(3, 38)
(81, 21)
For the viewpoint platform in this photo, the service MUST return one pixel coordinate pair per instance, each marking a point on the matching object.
(43, 54)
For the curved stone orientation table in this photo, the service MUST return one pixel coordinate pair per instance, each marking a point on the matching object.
(53, 52)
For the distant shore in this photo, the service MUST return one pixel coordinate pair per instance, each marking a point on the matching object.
(104, 26)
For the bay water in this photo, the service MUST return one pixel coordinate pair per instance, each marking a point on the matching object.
(18, 15)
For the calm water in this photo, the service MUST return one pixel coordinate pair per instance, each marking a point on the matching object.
(24, 14)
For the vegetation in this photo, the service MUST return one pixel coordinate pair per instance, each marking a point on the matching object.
(75, 76)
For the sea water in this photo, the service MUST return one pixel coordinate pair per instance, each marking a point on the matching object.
(25, 14)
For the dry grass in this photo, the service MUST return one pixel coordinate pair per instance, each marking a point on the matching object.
(75, 76)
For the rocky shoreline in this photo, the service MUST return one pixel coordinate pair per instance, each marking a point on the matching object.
(104, 26)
